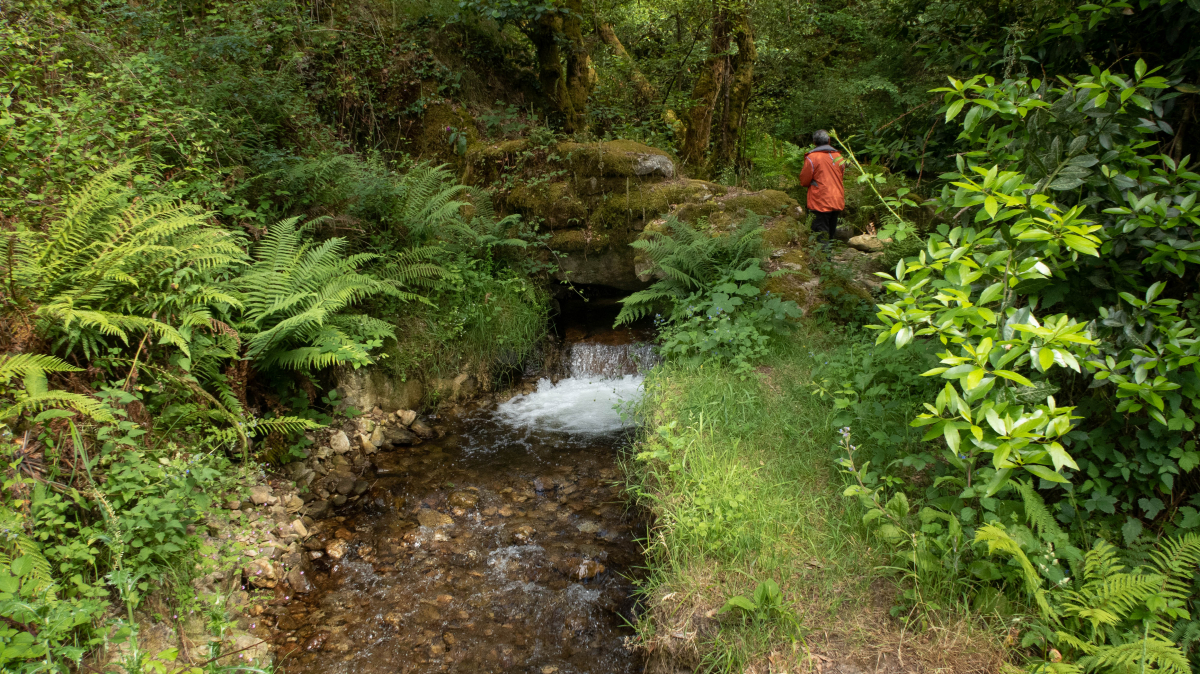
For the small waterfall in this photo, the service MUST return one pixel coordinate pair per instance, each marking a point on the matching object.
(604, 380)
(610, 361)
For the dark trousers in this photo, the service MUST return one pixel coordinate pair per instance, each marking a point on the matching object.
(824, 225)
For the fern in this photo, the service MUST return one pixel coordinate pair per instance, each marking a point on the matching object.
(21, 364)
(104, 269)
(292, 293)
(415, 204)
(1114, 620)
(687, 258)
(997, 539)
(37, 395)
(429, 197)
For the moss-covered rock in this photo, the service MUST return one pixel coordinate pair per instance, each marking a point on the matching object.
(597, 198)
(432, 142)
(555, 203)
(617, 158)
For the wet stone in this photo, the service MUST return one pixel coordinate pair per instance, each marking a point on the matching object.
(432, 519)
(345, 485)
(464, 499)
(579, 568)
(299, 582)
(524, 534)
(399, 436)
(336, 549)
(361, 486)
(317, 509)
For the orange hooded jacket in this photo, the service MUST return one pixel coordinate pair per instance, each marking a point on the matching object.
(822, 175)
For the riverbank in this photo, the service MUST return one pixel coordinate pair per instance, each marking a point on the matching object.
(740, 475)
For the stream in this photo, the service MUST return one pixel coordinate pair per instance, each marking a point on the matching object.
(505, 545)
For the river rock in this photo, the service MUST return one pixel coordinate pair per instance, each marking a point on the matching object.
(345, 485)
(316, 642)
(524, 534)
(398, 435)
(243, 649)
(544, 483)
(339, 442)
(866, 243)
(263, 573)
(317, 509)
(464, 499)
(377, 436)
(389, 464)
(294, 504)
(336, 549)
(299, 528)
(432, 519)
(364, 441)
(339, 500)
(299, 581)
(406, 417)
(422, 430)
(260, 494)
(578, 568)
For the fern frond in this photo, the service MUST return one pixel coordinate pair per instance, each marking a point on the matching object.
(104, 268)
(997, 539)
(32, 404)
(41, 574)
(1156, 654)
(20, 364)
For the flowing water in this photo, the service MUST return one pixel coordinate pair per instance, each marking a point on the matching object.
(503, 546)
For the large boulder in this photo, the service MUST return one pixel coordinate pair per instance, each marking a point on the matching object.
(597, 198)
(367, 388)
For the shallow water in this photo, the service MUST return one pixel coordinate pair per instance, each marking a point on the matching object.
(503, 546)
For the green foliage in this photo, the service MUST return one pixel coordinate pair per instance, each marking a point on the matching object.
(766, 606)
(117, 259)
(1057, 206)
(36, 397)
(1107, 619)
(294, 292)
(39, 627)
(711, 288)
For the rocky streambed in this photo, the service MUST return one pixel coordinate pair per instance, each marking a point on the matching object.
(494, 540)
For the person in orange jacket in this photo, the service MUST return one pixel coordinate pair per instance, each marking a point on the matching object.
(822, 175)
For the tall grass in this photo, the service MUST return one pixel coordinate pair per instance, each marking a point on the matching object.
(740, 475)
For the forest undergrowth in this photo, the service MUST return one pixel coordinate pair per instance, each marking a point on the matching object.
(983, 459)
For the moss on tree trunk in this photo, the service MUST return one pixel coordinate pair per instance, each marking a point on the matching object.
(645, 90)
(737, 93)
(722, 90)
(567, 88)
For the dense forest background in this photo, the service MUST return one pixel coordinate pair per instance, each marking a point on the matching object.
(209, 209)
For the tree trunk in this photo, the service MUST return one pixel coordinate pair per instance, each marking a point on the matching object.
(722, 90)
(711, 80)
(544, 34)
(737, 95)
(645, 90)
(567, 91)
(581, 77)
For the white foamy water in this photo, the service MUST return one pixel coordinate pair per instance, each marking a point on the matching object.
(580, 405)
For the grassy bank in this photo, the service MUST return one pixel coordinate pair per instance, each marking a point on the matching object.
(741, 474)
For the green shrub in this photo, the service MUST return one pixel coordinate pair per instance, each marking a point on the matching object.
(710, 287)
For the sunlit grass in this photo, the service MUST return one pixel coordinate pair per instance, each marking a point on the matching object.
(740, 473)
